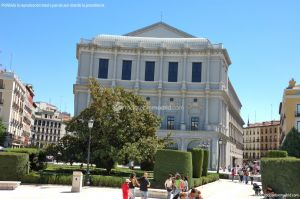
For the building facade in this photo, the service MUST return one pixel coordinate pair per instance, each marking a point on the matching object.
(184, 78)
(49, 124)
(289, 109)
(16, 109)
(261, 137)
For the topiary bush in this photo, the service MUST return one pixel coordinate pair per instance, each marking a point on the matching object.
(197, 159)
(281, 174)
(171, 161)
(205, 162)
(13, 166)
(211, 177)
(277, 154)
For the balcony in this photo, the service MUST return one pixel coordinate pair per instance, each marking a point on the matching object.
(297, 114)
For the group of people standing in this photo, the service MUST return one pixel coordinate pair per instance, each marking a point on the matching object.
(128, 187)
(177, 187)
(244, 173)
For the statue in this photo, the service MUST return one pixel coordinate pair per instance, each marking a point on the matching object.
(292, 83)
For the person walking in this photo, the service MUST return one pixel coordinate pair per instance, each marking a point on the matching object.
(240, 172)
(246, 174)
(251, 174)
(125, 189)
(186, 184)
(232, 174)
(144, 185)
(133, 183)
(169, 186)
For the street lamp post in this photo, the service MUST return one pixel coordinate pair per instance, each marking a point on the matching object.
(90, 125)
(219, 142)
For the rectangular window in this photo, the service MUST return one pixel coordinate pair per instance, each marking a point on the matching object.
(196, 72)
(298, 110)
(149, 71)
(126, 70)
(298, 126)
(103, 69)
(170, 122)
(173, 72)
(194, 123)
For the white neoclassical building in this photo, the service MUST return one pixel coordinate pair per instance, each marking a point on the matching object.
(184, 78)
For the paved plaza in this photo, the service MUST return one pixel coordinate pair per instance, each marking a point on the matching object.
(215, 190)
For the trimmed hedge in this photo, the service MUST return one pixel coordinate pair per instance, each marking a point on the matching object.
(107, 181)
(50, 178)
(211, 177)
(205, 162)
(36, 157)
(172, 161)
(13, 166)
(197, 159)
(281, 174)
(277, 154)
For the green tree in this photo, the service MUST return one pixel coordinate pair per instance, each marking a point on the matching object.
(68, 149)
(121, 119)
(291, 143)
(2, 133)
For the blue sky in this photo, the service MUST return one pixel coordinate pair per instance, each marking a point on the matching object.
(262, 38)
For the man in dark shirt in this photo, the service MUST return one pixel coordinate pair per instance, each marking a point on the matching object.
(144, 185)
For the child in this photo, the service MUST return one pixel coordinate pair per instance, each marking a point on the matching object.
(125, 189)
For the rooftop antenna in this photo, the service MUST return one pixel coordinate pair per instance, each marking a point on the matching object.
(10, 61)
(161, 16)
(255, 116)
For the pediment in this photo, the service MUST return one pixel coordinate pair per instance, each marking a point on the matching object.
(160, 30)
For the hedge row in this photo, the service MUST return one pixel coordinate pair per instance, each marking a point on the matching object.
(205, 162)
(281, 174)
(13, 166)
(49, 178)
(277, 154)
(205, 179)
(197, 159)
(172, 161)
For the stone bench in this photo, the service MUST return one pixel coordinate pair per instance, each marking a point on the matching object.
(9, 185)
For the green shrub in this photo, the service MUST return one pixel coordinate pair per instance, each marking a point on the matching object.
(205, 162)
(277, 154)
(197, 182)
(36, 157)
(13, 166)
(281, 174)
(171, 161)
(223, 175)
(211, 177)
(33, 178)
(106, 181)
(197, 159)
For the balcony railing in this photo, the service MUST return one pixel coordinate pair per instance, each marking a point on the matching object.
(297, 114)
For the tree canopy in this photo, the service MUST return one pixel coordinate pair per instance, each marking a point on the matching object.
(291, 143)
(2, 133)
(124, 127)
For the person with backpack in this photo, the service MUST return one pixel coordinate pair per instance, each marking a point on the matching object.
(169, 186)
